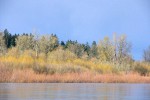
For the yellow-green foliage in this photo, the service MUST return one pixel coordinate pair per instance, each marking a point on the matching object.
(26, 59)
(98, 67)
(58, 61)
(14, 59)
(142, 68)
(61, 55)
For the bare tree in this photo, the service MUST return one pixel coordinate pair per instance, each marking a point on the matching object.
(146, 54)
(123, 48)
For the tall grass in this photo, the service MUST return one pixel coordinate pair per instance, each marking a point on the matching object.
(29, 75)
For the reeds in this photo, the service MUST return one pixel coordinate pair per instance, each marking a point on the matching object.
(86, 77)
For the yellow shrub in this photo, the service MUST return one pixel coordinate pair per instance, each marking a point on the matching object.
(142, 68)
(84, 63)
(103, 68)
(60, 55)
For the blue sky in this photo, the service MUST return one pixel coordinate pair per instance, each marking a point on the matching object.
(82, 20)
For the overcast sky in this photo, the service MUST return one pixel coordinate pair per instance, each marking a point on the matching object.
(82, 20)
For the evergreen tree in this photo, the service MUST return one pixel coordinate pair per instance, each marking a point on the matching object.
(87, 48)
(94, 52)
(62, 44)
(7, 38)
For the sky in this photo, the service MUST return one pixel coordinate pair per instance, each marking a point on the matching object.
(82, 20)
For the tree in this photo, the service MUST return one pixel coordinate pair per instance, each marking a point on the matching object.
(63, 45)
(25, 42)
(75, 48)
(48, 43)
(87, 48)
(44, 45)
(93, 51)
(54, 43)
(2, 44)
(146, 54)
(7, 38)
(36, 44)
(105, 50)
(124, 48)
(10, 40)
(13, 40)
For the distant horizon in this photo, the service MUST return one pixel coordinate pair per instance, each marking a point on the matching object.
(85, 21)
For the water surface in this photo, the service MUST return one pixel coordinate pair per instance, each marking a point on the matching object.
(74, 91)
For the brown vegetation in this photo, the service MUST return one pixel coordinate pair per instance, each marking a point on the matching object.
(28, 76)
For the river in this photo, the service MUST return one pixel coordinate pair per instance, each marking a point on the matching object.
(74, 91)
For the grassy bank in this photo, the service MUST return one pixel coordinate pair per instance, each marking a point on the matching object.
(29, 76)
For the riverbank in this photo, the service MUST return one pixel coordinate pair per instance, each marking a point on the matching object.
(29, 76)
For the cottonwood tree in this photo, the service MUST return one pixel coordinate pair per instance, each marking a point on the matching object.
(25, 42)
(116, 51)
(48, 43)
(122, 56)
(36, 44)
(123, 49)
(54, 42)
(105, 50)
(146, 54)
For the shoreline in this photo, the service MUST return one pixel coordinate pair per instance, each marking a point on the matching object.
(28, 76)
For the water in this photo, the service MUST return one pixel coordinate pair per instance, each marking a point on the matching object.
(74, 91)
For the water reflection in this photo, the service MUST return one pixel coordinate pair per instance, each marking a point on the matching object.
(74, 91)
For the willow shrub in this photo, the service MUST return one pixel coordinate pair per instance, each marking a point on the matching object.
(61, 55)
(142, 68)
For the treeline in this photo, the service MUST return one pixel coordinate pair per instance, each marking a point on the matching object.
(115, 51)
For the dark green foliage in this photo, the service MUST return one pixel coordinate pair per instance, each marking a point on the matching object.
(13, 40)
(87, 48)
(75, 48)
(9, 39)
(94, 52)
(62, 43)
